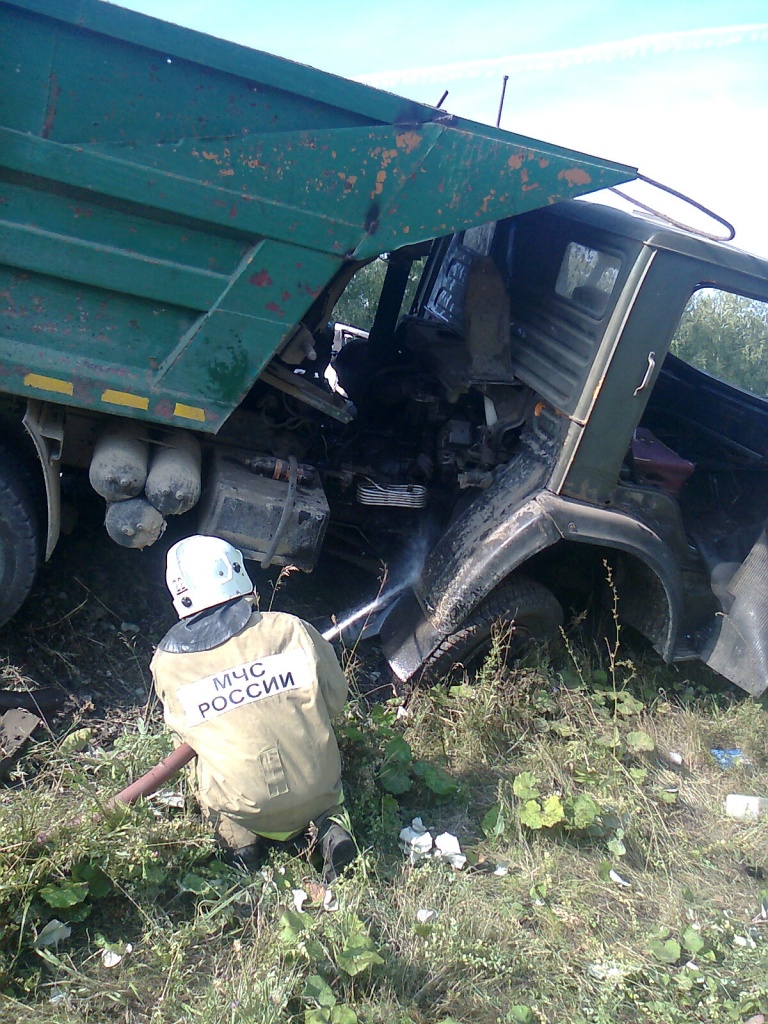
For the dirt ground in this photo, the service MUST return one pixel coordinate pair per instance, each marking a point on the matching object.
(97, 611)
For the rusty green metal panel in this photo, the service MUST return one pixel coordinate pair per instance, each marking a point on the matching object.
(172, 204)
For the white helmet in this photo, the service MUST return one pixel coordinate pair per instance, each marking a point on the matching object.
(204, 571)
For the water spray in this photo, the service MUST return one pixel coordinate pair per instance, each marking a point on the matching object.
(381, 601)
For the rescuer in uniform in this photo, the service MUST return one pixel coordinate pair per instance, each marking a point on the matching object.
(253, 694)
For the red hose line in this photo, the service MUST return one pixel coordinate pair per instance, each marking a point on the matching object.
(154, 778)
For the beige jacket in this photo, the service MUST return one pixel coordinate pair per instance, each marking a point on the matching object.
(257, 709)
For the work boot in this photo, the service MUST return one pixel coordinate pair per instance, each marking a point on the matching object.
(337, 848)
(247, 858)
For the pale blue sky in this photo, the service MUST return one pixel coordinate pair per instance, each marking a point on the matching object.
(678, 89)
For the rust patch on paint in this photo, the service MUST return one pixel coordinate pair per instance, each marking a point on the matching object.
(575, 176)
(381, 177)
(408, 141)
(515, 162)
(261, 279)
(274, 308)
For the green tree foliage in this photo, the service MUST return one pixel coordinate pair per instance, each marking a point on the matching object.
(726, 335)
(357, 305)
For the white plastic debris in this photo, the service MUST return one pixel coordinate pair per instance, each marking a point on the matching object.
(57, 996)
(169, 798)
(616, 877)
(53, 933)
(424, 916)
(111, 958)
(401, 712)
(501, 869)
(609, 971)
(299, 898)
(447, 849)
(415, 841)
(745, 807)
(675, 757)
(330, 903)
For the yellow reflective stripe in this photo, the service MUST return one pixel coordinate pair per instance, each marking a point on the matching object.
(279, 837)
(189, 412)
(37, 380)
(125, 398)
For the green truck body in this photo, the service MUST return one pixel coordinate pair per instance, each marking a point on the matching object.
(171, 205)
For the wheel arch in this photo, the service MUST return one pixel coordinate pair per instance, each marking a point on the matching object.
(425, 615)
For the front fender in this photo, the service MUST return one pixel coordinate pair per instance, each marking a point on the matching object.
(488, 543)
(462, 569)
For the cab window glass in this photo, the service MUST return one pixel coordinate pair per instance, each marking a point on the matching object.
(587, 278)
(479, 239)
(726, 335)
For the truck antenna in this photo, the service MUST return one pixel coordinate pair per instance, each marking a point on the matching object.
(442, 99)
(501, 101)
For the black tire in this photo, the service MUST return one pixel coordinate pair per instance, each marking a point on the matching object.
(19, 536)
(525, 607)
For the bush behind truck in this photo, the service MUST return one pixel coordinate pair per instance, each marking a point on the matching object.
(179, 217)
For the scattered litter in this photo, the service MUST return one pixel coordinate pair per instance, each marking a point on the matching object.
(53, 933)
(168, 798)
(425, 916)
(744, 941)
(757, 1018)
(401, 712)
(315, 890)
(330, 903)
(111, 958)
(447, 849)
(728, 758)
(300, 897)
(675, 757)
(609, 971)
(415, 841)
(616, 877)
(745, 807)
(57, 996)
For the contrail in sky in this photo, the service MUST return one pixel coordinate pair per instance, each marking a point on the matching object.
(602, 53)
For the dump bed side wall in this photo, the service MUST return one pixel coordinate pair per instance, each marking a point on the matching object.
(171, 205)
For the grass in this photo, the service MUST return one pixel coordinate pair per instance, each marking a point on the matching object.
(628, 895)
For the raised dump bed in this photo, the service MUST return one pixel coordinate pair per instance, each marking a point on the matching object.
(172, 205)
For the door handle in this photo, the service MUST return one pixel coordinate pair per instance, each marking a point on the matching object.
(648, 373)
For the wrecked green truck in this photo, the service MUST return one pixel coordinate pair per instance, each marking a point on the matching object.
(179, 219)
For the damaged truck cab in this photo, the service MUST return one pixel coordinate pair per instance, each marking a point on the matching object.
(629, 459)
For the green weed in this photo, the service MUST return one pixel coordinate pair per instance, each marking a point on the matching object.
(624, 893)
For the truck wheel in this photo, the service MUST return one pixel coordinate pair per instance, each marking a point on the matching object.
(527, 608)
(19, 537)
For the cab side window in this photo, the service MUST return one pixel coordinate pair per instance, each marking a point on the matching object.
(726, 335)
